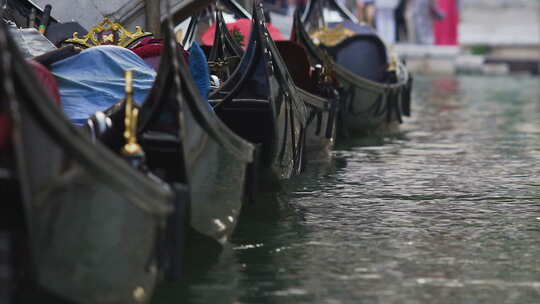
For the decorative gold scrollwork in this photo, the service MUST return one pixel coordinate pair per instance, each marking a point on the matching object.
(108, 33)
(331, 36)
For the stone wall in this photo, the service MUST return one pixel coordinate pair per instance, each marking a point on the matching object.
(500, 22)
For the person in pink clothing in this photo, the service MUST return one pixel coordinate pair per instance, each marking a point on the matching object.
(446, 30)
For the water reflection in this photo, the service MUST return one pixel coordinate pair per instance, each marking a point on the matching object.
(448, 211)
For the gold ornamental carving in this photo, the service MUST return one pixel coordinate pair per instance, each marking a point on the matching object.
(131, 147)
(331, 36)
(108, 33)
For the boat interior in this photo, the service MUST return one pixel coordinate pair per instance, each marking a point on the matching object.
(243, 103)
(354, 46)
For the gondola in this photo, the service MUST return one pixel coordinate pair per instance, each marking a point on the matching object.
(259, 102)
(315, 89)
(318, 95)
(93, 221)
(225, 53)
(215, 158)
(374, 87)
(186, 143)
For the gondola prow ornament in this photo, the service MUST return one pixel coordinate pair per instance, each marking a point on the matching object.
(109, 33)
(131, 150)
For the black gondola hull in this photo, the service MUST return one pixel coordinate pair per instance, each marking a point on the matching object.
(366, 105)
(93, 221)
(259, 103)
(205, 153)
(321, 126)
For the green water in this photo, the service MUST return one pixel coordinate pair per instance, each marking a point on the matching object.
(448, 211)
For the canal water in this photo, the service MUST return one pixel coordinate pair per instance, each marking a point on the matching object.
(447, 211)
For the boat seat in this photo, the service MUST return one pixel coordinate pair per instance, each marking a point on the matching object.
(365, 56)
(47, 79)
(296, 59)
(249, 118)
(150, 50)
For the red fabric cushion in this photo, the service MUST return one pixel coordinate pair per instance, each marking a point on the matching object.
(149, 47)
(150, 50)
(47, 79)
(49, 83)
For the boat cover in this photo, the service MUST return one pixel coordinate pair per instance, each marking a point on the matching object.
(365, 55)
(198, 65)
(31, 42)
(150, 50)
(364, 58)
(94, 80)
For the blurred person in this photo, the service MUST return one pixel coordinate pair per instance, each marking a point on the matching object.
(421, 16)
(401, 23)
(366, 11)
(446, 30)
(385, 21)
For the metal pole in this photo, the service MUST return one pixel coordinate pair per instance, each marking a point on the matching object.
(153, 17)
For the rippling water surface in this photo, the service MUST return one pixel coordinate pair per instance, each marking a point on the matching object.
(448, 211)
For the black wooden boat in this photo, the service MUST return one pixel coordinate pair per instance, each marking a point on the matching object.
(318, 95)
(186, 143)
(259, 102)
(197, 148)
(316, 90)
(374, 88)
(93, 222)
(225, 53)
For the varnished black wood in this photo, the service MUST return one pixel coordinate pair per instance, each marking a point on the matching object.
(260, 103)
(93, 221)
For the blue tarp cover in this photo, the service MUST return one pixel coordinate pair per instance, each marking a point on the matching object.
(198, 64)
(94, 80)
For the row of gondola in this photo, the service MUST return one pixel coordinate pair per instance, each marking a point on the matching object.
(110, 208)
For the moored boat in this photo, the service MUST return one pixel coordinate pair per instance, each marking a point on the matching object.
(374, 86)
(187, 144)
(259, 102)
(93, 221)
(210, 156)
(315, 89)
(317, 94)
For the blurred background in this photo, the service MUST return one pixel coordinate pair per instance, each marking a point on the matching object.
(447, 36)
